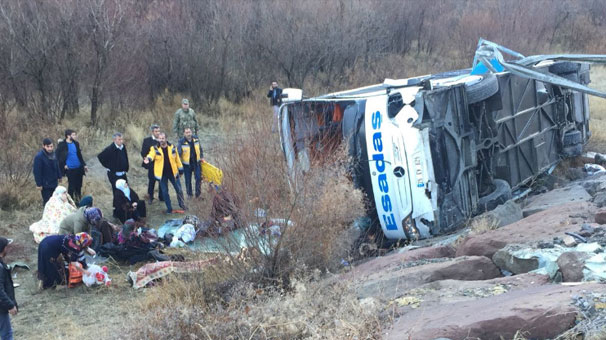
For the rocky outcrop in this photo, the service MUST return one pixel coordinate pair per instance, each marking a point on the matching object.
(545, 225)
(557, 197)
(395, 259)
(395, 281)
(542, 311)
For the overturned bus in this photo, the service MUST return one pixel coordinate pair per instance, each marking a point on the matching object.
(432, 151)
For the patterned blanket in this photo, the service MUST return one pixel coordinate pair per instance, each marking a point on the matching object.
(157, 270)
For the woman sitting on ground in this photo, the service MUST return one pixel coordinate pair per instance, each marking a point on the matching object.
(80, 221)
(127, 203)
(51, 269)
(58, 207)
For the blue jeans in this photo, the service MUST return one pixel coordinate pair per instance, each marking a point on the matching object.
(187, 171)
(164, 188)
(6, 331)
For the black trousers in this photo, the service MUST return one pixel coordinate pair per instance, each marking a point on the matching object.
(113, 178)
(46, 194)
(151, 184)
(74, 179)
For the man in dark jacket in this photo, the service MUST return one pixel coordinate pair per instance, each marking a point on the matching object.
(8, 304)
(148, 143)
(72, 164)
(275, 99)
(115, 159)
(46, 170)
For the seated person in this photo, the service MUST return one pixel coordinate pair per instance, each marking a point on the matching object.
(226, 213)
(80, 221)
(135, 243)
(51, 270)
(58, 207)
(127, 203)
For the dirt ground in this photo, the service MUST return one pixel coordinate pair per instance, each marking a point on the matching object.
(81, 311)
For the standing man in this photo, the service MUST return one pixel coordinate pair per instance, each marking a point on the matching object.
(115, 159)
(191, 154)
(275, 99)
(167, 167)
(185, 117)
(72, 164)
(46, 170)
(148, 143)
(8, 304)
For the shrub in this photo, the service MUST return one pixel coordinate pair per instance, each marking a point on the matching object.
(314, 217)
(176, 309)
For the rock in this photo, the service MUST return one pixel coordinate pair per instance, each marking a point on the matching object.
(393, 282)
(541, 226)
(571, 265)
(600, 216)
(575, 174)
(600, 199)
(507, 213)
(595, 184)
(543, 311)
(554, 198)
(506, 259)
(569, 241)
(395, 259)
(586, 230)
(545, 245)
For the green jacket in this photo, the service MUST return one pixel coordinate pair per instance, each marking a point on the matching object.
(74, 223)
(185, 119)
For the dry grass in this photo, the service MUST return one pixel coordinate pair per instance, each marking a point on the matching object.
(483, 224)
(597, 124)
(312, 310)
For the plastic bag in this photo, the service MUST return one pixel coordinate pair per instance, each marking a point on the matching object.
(186, 233)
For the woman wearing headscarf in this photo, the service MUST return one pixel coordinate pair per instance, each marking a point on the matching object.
(80, 221)
(51, 269)
(127, 203)
(58, 207)
(86, 201)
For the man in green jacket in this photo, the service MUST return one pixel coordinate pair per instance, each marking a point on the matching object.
(185, 117)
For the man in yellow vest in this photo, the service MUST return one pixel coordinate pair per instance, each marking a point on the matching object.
(167, 167)
(191, 154)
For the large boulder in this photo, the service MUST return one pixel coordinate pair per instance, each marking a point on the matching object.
(397, 280)
(571, 265)
(507, 259)
(396, 259)
(544, 225)
(554, 198)
(600, 199)
(507, 213)
(543, 311)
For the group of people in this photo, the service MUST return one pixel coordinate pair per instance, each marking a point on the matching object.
(69, 220)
